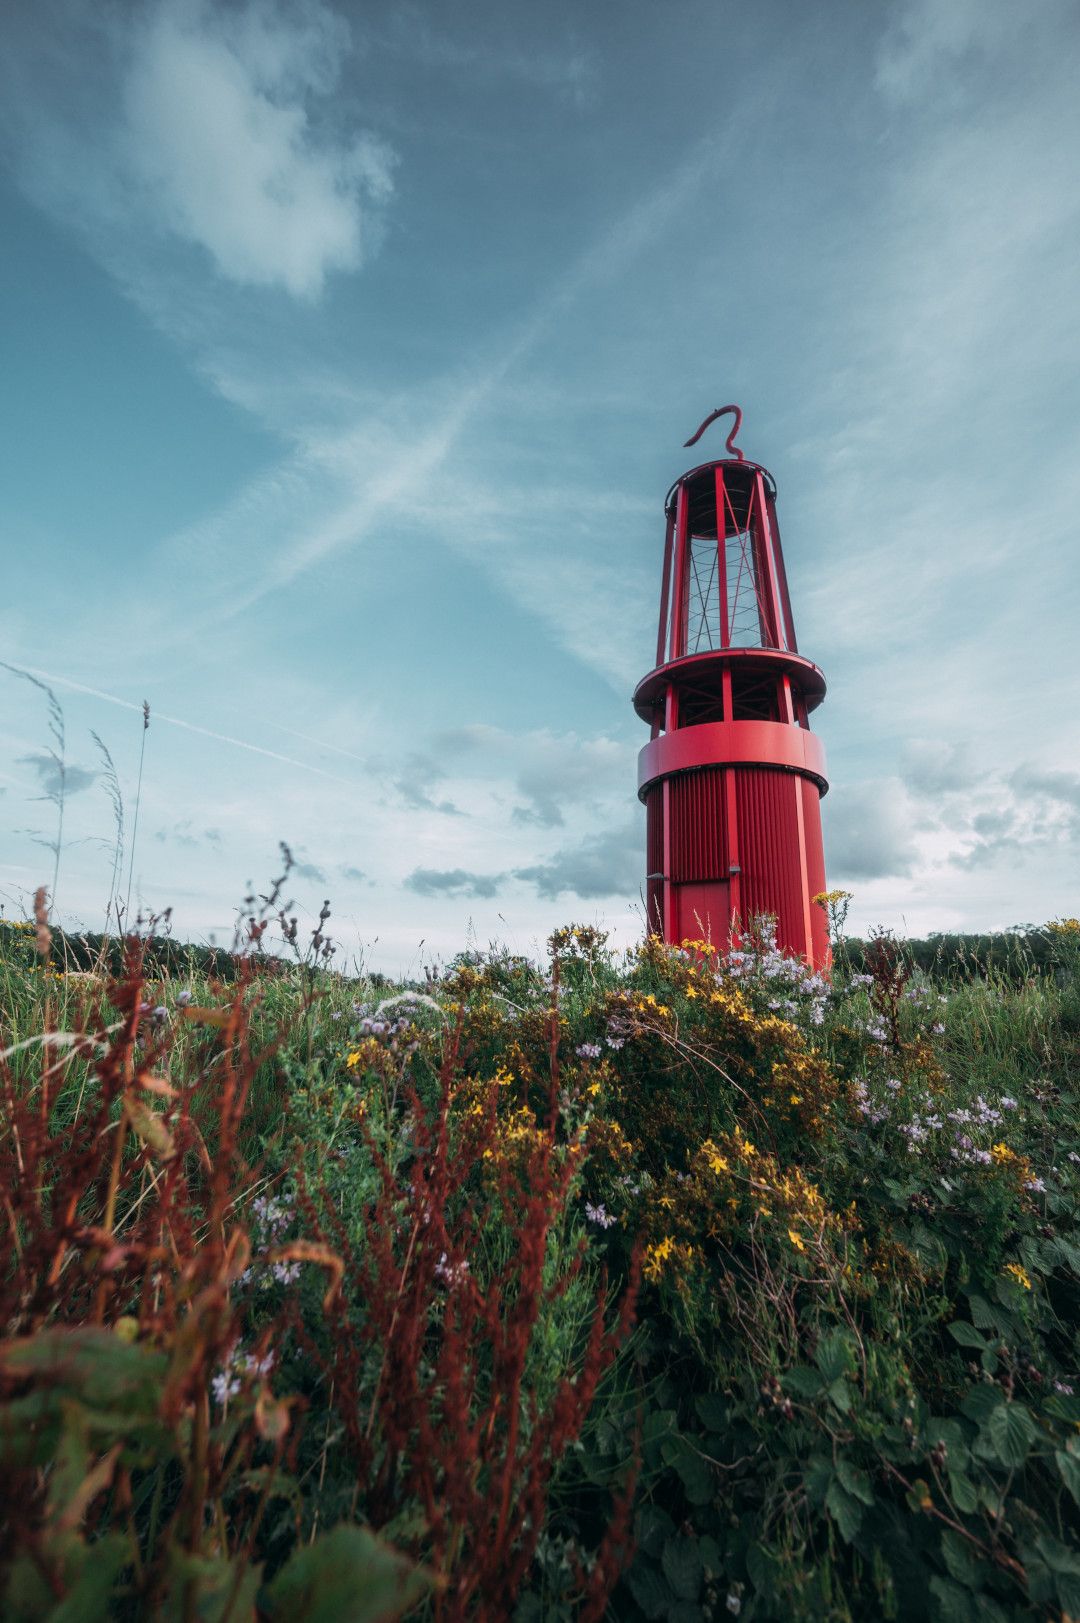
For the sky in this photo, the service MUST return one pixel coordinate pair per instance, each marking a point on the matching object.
(348, 356)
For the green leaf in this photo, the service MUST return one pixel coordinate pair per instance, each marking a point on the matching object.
(762, 1568)
(684, 1611)
(659, 1427)
(981, 1400)
(961, 1561)
(840, 1394)
(950, 1432)
(649, 1589)
(712, 1411)
(834, 1356)
(1069, 1469)
(845, 1510)
(855, 1481)
(1011, 1431)
(653, 1527)
(346, 1576)
(963, 1492)
(200, 1588)
(94, 1365)
(952, 1604)
(802, 1381)
(817, 1475)
(90, 1576)
(681, 1562)
(967, 1335)
(694, 1473)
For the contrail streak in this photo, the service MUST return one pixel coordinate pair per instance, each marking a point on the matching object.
(188, 726)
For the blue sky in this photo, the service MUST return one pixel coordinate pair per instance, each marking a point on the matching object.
(349, 352)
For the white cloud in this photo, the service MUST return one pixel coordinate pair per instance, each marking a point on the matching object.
(219, 132)
(198, 124)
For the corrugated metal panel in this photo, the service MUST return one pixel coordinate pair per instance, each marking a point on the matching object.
(697, 826)
(815, 867)
(769, 850)
(654, 858)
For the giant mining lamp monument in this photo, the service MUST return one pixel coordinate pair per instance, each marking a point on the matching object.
(732, 777)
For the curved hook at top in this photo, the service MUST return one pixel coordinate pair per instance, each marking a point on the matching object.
(730, 441)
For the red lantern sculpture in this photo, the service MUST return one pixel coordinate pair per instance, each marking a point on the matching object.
(732, 777)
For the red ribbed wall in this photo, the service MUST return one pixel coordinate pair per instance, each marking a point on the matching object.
(698, 837)
(769, 854)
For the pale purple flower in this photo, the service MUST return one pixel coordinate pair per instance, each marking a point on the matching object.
(224, 1386)
(598, 1215)
(588, 1050)
(451, 1273)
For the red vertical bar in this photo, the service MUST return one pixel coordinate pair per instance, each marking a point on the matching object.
(731, 829)
(678, 596)
(778, 551)
(804, 877)
(721, 558)
(668, 902)
(763, 537)
(787, 703)
(665, 590)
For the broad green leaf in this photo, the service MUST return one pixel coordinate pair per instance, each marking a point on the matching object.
(200, 1588)
(961, 1561)
(845, 1510)
(963, 1492)
(346, 1576)
(855, 1481)
(967, 1335)
(653, 1525)
(834, 1356)
(817, 1475)
(681, 1562)
(1011, 1430)
(762, 1568)
(695, 1473)
(981, 1400)
(950, 1432)
(649, 1588)
(802, 1381)
(712, 1411)
(684, 1611)
(840, 1394)
(1069, 1469)
(101, 1369)
(952, 1604)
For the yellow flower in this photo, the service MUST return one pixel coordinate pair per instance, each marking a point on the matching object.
(353, 1059)
(656, 1256)
(796, 1239)
(1021, 1275)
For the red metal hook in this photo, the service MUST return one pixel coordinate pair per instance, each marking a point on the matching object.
(730, 441)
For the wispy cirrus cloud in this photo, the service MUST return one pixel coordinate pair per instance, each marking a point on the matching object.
(202, 124)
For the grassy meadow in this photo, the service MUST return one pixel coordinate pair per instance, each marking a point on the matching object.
(655, 1286)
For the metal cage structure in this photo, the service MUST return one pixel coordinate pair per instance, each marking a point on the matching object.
(732, 777)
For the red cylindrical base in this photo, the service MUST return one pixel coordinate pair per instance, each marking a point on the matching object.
(730, 840)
